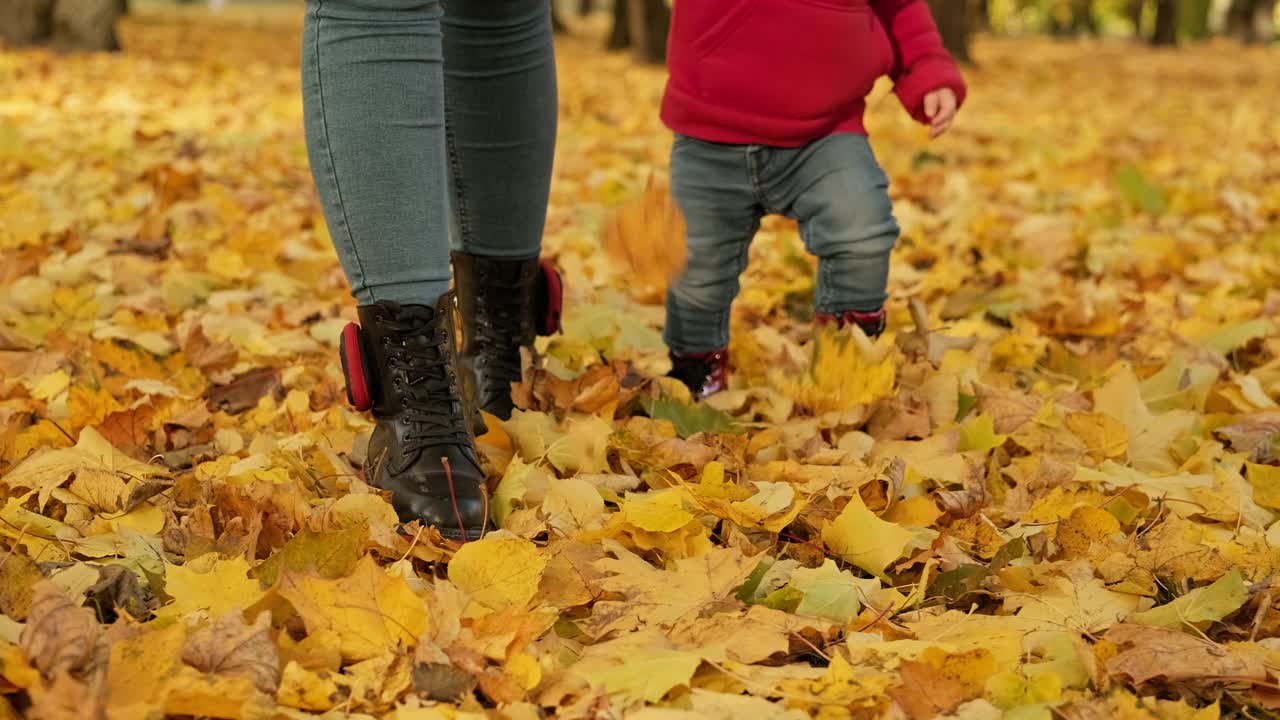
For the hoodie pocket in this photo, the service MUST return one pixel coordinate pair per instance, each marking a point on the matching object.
(802, 59)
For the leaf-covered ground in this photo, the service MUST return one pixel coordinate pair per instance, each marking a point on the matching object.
(1050, 491)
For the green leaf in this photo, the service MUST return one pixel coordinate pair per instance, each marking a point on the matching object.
(786, 599)
(967, 403)
(955, 584)
(692, 419)
(1236, 336)
(830, 592)
(1059, 655)
(924, 157)
(1206, 604)
(1140, 191)
(1007, 553)
(747, 592)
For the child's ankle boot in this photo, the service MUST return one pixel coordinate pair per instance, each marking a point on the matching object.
(704, 373)
(872, 323)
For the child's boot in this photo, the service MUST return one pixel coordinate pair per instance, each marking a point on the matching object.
(704, 373)
(401, 363)
(504, 304)
(872, 323)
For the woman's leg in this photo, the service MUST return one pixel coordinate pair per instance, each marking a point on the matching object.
(373, 99)
(500, 103)
(373, 102)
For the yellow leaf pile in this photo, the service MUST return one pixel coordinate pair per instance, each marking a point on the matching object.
(1050, 490)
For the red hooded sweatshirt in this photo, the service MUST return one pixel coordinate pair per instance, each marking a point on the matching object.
(787, 72)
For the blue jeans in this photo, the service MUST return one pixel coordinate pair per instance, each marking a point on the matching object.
(834, 187)
(425, 120)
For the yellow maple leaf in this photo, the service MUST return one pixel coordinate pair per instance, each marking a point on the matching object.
(306, 690)
(659, 511)
(843, 373)
(370, 611)
(498, 572)
(210, 586)
(646, 238)
(862, 538)
(103, 476)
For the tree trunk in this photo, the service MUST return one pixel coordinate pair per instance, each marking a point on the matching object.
(641, 25)
(1166, 31)
(952, 17)
(620, 35)
(1240, 19)
(1252, 21)
(1136, 8)
(64, 24)
(1082, 19)
(26, 22)
(1193, 20)
(1264, 21)
(980, 16)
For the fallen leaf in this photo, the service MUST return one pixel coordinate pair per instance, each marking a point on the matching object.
(59, 636)
(1202, 605)
(858, 536)
(229, 646)
(209, 586)
(831, 593)
(1146, 653)
(498, 572)
(369, 611)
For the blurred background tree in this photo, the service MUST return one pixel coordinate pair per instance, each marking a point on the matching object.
(63, 24)
(640, 26)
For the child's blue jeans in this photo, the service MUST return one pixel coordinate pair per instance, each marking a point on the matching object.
(834, 187)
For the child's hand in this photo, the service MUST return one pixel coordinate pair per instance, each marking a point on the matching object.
(940, 108)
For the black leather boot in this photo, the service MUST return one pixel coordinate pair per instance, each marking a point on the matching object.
(400, 362)
(504, 304)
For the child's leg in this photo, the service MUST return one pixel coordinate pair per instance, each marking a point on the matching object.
(838, 192)
(713, 187)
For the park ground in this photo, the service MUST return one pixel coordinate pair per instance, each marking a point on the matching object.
(1051, 490)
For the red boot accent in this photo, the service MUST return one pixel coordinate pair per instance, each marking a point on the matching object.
(872, 323)
(553, 297)
(704, 373)
(353, 367)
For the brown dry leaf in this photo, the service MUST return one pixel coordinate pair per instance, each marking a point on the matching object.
(244, 392)
(64, 698)
(118, 588)
(207, 355)
(1147, 652)
(59, 636)
(131, 430)
(926, 692)
(231, 647)
(19, 577)
(1253, 434)
(1008, 410)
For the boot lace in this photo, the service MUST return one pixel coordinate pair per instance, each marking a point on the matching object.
(503, 321)
(428, 385)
